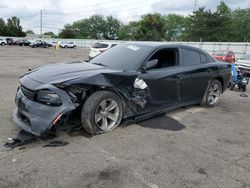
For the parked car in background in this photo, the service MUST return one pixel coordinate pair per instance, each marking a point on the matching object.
(53, 43)
(243, 63)
(9, 41)
(40, 43)
(131, 81)
(3, 42)
(24, 42)
(226, 56)
(67, 45)
(98, 48)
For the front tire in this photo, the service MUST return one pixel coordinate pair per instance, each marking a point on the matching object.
(102, 112)
(212, 95)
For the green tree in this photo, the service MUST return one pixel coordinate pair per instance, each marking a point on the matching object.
(201, 25)
(127, 32)
(151, 27)
(223, 30)
(175, 27)
(68, 32)
(14, 28)
(3, 27)
(51, 34)
(29, 32)
(82, 27)
(96, 26)
(112, 27)
(240, 25)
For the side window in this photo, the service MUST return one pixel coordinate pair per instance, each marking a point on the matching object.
(166, 58)
(190, 57)
(203, 58)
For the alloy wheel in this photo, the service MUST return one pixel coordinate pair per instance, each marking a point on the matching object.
(214, 93)
(107, 114)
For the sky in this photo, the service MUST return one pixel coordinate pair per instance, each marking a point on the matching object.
(57, 13)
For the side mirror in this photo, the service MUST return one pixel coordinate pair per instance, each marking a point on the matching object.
(150, 64)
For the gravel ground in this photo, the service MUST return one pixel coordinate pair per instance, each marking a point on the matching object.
(188, 147)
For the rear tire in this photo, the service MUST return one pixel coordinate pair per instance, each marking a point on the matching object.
(101, 112)
(212, 95)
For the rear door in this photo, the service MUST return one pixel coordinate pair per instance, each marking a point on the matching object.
(195, 76)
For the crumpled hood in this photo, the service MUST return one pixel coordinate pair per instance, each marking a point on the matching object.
(61, 72)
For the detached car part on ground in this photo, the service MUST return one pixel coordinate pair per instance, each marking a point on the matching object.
(131, 81)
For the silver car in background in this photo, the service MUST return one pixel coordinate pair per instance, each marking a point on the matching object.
(243, 63)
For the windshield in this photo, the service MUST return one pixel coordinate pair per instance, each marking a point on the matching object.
(245, 57)
(123, 56)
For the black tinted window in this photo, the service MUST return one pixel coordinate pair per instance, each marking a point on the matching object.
(100, 45)
(190, 57)
(166, 58)
(203, 58)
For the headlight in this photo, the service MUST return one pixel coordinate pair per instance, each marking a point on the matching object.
(48, 97)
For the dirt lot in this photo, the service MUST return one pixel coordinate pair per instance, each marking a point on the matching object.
(189, 147)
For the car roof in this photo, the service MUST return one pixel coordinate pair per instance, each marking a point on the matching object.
(164, 45)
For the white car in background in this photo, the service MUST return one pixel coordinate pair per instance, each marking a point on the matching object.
(98, 48)
(3, 42)
(53, 43)
(243, 63)
(67, 45)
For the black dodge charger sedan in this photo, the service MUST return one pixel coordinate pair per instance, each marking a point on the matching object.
(132, 81)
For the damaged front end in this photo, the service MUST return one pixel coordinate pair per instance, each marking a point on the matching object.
(40, 109)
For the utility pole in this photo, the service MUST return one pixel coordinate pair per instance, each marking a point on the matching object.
(195, 5)
(41, 23)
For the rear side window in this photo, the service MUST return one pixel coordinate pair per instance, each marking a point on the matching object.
(203, 58)
(100, 45)
(190, 57)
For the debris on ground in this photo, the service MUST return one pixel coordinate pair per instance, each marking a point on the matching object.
(243, 95)
(22, 138)
(56, 143)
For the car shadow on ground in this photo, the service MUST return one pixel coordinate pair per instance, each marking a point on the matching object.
(162, 122)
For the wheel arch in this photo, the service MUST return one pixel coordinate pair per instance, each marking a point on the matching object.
(94, 89)
(221, 80)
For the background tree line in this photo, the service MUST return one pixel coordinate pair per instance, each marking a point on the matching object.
(11, 28)
(223, 25)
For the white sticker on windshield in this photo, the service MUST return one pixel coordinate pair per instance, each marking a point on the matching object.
(132, 47)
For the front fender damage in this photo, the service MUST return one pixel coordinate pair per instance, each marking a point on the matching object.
(129, 86)
(38, 119)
